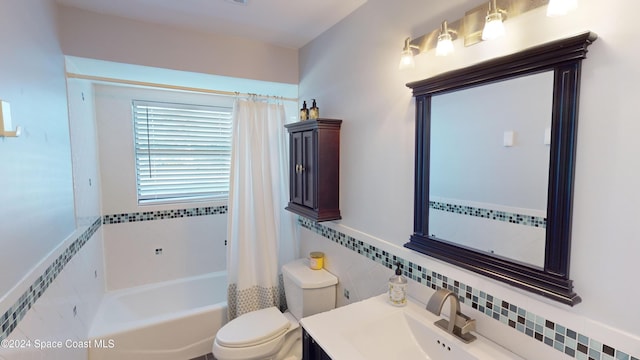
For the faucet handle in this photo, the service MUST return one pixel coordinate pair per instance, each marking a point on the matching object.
(465, 323)
(469, 326)
(459, 324)
(464, 326)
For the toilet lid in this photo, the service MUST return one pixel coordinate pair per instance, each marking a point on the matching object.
(253, 328)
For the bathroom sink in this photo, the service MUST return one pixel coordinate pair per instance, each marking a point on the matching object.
(401, 335)
(374, 329)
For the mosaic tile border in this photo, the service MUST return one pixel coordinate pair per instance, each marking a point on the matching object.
(513, 218)
(163, 214)
(10, 319)
(559, 337)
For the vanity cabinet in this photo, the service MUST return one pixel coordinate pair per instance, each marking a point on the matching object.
(314, 169)
(310, 348)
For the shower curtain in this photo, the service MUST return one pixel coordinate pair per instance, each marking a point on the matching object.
(260, 232)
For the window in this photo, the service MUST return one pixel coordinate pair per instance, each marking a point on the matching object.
(183, 152)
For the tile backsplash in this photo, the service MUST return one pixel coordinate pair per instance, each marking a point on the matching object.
(9, 319)
(152, 246)
(493, 214)
(545, 330)
(163, 214)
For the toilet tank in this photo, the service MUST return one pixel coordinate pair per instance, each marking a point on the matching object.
(307, 291)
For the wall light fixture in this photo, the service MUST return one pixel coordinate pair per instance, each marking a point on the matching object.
(445, 40)
(481, 23)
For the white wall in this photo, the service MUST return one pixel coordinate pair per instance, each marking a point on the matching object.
(468, 158)
(84, 151)
(104, 37)
(352, 70)
(52, 271)
(517, 241)
(191, 245)
(103, 45)
(35, 177)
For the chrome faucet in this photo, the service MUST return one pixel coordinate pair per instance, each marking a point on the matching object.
(459, 325)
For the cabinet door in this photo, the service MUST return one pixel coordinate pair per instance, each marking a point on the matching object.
(308, 169)
(296, 160)
(311, 350)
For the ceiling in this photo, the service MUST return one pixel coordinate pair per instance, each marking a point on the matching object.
(288, 23)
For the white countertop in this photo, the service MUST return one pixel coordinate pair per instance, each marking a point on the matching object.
(367, 330)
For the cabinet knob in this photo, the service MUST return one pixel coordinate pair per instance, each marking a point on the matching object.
(299, 168)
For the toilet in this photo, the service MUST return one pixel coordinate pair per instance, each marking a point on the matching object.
(268, 334)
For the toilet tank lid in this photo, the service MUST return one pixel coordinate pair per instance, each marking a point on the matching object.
(306, 278)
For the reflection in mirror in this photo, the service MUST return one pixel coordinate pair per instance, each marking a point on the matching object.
(489, 167)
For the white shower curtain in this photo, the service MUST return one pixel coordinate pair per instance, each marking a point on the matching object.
(260, 231)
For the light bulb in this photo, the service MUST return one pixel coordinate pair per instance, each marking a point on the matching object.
(493, 27)
(406, 60)
(445, 45)
(445, 40)
(561, 7)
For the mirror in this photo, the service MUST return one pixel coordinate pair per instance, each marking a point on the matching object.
(494, 164)
(489, 167)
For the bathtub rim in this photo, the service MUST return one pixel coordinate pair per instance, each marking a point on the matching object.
(159, 284)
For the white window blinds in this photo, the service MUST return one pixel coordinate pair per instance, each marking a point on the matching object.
(183, 152)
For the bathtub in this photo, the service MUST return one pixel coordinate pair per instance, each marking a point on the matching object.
(173, 320)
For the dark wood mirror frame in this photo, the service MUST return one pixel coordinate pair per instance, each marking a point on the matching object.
(564, 57)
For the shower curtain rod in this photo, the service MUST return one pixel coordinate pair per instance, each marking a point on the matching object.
(172, 87)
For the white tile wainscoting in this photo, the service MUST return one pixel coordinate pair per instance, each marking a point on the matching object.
(532, 329)
(47, 315)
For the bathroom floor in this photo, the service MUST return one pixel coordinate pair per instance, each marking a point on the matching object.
(209, 356)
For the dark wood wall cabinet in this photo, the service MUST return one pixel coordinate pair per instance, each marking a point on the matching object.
(314, 169)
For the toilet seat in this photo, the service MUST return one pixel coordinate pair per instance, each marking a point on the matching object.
(253, 328)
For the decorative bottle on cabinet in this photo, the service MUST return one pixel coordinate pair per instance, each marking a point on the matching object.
(314, 112)
(314, 169)
(304, 112)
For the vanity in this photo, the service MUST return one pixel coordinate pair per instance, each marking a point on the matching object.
(373, 329)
